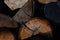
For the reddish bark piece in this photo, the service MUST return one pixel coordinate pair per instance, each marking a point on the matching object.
(47, 1)
(6, 21)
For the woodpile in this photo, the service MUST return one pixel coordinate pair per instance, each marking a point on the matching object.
(30, 26)
(14, 4)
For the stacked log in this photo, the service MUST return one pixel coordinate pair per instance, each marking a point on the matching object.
(42, 26)
(6, 35)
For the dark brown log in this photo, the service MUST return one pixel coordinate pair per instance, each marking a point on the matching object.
(24, 13)
(6, 21)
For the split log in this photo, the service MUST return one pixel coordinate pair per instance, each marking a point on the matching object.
(42, 26)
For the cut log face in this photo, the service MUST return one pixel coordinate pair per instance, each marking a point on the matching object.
(47, 1)
(6, 35)
(24, 33)
(45, 28)
(6, 21)
(14, 4)
(25, 13)
(44, 25)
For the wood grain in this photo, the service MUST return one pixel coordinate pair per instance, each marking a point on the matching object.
(25, 13)
(45, 28)
(47, 1)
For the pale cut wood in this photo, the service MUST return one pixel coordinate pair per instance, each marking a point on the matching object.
(14, 4)
(6, 21)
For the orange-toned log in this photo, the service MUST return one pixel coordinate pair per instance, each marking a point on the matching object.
(45, 28)
(47, 1)
(6, 35)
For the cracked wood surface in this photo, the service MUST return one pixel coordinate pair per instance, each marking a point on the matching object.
(45, 28)
(24, 13)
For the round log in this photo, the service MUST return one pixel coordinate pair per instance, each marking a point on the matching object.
(6, 35)
(42, 26)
